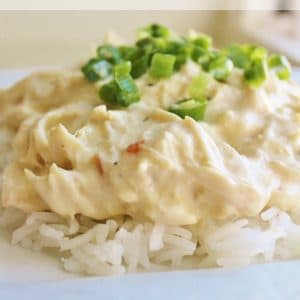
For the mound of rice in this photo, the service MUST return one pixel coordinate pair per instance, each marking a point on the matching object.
(122, 245)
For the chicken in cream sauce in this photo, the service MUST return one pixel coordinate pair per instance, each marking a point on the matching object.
(74, 154)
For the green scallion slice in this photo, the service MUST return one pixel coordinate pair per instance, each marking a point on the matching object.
(220, 67)
(139, 58)
(155, 31)
(122, 90)
(152, 45)
(208, 56)
(258, 53)
(128, 92)
(127, 52)
(198, 54)
(256, 73)
(243, 54)
(162, 65)
(200, 39)
(108, 92)
(181, 50)
(110, 53)
(239, 54)
(194, 108)
(122, 69)
(96, 69)
(199, 86)
(281, 66)
(140, 66)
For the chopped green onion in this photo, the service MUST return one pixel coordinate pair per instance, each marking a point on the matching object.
(152, 44)
(239, 54)
(181, 50)
(258, 53)
(122, 69)
(175, 47)
(145, 42)
(194, 108)
(160, 52)
(128, 92)
(256, 73)
(140, 66)
(198, 53)
(109, 53)
(281, 66)
(139, 58)
(122, 90)
(128, 52)
(205, 59)
(96, 69)
(242, 55)
(199, 86)
(154, 30)
(180, 60)
(108, 92)
(220, 67)
(200, 39)
(162, 65)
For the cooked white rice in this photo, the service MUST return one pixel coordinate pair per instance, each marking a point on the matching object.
(122, 245)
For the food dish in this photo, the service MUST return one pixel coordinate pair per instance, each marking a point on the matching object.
(210, 180)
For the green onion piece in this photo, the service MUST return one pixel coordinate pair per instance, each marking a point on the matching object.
(139, 58)
(128, 92)
(199, 86)
(239, 54)
(152, 44)
(175, 47)
(194, 108)
(145, 42)
(258, 53)
(180, 60)
(220, 67)
(242, 55)
(109, 53)
(108, 92)
(122, 69)
(140, 66)
(122, 90)
(128, 52)
(181, 50)
(154, 30)
(200, 39)
(256, 73)
(96, 69)
(199, 54)
(281, 66)
(206, 59)
(162, 65)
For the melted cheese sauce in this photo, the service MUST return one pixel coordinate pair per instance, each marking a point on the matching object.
(72, 155)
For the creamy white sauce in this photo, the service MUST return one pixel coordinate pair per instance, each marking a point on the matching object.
(74, 156)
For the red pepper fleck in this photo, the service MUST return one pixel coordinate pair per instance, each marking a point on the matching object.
(135, 147)
(98, 163)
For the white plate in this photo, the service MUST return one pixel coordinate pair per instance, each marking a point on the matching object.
(33, 275)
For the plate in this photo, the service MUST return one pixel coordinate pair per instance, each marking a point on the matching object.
(33, 275)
